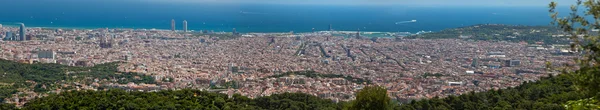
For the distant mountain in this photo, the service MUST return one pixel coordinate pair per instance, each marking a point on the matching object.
(500, 32)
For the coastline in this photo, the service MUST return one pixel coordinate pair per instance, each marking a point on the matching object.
(160, 29)
(343, 32)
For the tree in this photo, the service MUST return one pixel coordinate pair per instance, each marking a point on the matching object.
(5, 106)
(583, 104)
(371, 98)
(584, 41)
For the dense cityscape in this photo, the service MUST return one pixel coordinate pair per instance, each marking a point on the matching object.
(252, 64)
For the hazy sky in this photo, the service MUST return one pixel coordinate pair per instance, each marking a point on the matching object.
(390, 2)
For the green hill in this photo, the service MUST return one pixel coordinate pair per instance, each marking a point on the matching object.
(42, 78)
(500, 32)
(546, 94)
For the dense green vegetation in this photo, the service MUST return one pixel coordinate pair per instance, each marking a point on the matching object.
(548, 93)
(437, 75)
(5, 106)
(44, 77)
(500, 32)
(180, 99)
(313, 74)
(372, 98)
(587, 72)
(227, 85)
(109, 71)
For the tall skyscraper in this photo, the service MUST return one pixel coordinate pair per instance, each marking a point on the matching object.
(313, 30)
(23, 31)
(172, 24)
(330, 29)
(234, 31)
(358, 33)
(185, 26)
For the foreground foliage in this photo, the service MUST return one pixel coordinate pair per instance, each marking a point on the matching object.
(580, 23)
(547, 94)
(180, 99)
(372, 98)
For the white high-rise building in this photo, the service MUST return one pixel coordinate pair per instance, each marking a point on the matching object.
(185, 29)
(172, 24)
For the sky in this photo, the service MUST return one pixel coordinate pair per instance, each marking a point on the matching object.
(387, 2)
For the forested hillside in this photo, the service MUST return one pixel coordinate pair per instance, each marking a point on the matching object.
(180, 99)
(550, 93)
(42, 78)
(500, 32)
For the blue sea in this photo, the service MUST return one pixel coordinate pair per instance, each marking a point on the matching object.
(258, 17)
